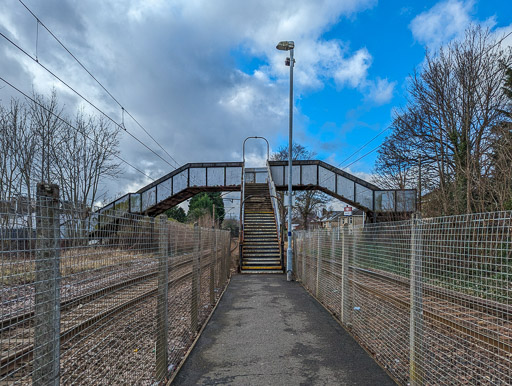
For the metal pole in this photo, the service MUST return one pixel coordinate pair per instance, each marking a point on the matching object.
(416, 322)
(419, 185)
(344, 278)
(289, 251)
(318, 262)
(46, 365)
(213, 262)
(195, 279)
(162, 296)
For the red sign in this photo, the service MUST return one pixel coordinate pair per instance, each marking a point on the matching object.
(347, 211)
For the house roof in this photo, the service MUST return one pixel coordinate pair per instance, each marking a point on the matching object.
(334, 215)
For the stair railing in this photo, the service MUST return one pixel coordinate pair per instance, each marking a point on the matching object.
(242, 215)
(242, 199)
(275, 206)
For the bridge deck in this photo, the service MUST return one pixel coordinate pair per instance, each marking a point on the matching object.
(267, 331)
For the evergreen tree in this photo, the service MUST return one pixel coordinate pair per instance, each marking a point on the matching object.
(202, 204)
(177, 213)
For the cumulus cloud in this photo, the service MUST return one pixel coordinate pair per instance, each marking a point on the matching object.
(171, 65)
(443, 22)
(381, 91)
(354, 70)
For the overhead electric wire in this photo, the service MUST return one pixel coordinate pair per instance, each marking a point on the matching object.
(354, 153)
(364, 155)
(96, 80)
(362, 147)
(85, 99)
(70, 125)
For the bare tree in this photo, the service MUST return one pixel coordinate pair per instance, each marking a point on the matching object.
(38, 143)
(46, 117)
(307, 202)
(84, 156)
(455, 104)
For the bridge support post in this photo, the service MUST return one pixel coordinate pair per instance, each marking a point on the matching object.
(162, 317)
(195, 280)
(416, 321)
(46, 366)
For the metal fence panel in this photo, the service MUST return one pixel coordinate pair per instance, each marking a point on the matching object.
(431, 299)
(105, 300)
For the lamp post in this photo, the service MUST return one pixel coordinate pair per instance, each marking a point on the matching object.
(289, 46)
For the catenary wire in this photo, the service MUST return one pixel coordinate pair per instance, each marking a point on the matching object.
(85, 99)
(96, 80)
(70, 125)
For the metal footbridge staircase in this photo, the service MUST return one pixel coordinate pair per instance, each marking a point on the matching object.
(261, 244)
(261, 248)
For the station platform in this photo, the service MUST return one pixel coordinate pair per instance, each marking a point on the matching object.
(267, 331)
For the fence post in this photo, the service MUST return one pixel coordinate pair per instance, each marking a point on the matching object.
(222, 274)
(344, 278)
(304, 253)
(333, 249)
(416, 322)
(213, 262)
(162, 308)
(47, 288)
(318, 263)
(195, 279)
(228, 257)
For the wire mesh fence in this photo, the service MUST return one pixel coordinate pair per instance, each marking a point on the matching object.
(430, 299)
(102, 299)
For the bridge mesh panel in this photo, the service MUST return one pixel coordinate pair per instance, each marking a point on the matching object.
(431, 299)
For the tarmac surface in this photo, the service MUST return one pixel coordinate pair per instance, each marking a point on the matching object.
(267, 331)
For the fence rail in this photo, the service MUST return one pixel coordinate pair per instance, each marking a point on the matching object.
(431, 299)
(116, 300)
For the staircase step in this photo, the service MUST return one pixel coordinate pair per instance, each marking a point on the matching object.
(267, 263)
(260, 251)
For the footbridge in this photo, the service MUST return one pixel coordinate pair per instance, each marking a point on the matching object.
(193, 178)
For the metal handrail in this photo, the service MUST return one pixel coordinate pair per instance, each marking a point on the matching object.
(275, 201)
(241, 231)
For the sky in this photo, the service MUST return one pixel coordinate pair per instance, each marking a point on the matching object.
(201, 76)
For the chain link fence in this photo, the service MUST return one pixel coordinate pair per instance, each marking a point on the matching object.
(430, 299)
(92, 299)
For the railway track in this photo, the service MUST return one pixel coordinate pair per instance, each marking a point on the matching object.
(486, 321)
(83, 312)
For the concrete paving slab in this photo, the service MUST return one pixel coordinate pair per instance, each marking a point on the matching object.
(267, 331)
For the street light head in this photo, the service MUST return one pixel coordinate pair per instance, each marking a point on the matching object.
(286, 45)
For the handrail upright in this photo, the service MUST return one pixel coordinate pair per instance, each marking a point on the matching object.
(275, 206)
(242, 213)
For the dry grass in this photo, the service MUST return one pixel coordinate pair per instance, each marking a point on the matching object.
(19, 269)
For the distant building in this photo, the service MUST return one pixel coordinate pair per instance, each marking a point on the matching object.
(337, 218)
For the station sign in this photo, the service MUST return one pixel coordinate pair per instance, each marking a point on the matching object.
(347, 211)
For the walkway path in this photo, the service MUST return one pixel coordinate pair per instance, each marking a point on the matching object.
(267, 331)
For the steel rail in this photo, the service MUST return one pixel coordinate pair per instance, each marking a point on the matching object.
(10, 362)
(456, 299)
(490, 307)
(9, 323)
